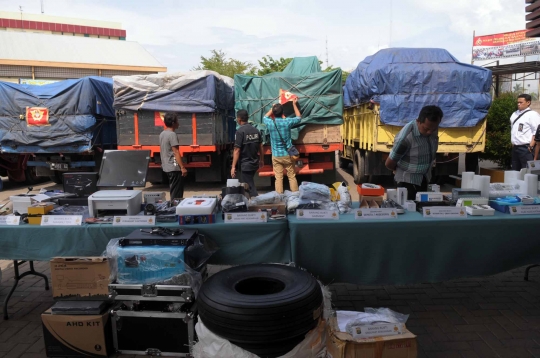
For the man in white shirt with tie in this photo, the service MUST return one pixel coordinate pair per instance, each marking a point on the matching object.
(523, 123)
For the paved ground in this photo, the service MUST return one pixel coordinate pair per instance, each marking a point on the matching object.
(496, 316)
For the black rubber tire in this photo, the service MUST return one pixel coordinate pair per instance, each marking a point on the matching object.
(31, 176)
(265, 309)
(344, 163)
(57, 177)
(359, 175)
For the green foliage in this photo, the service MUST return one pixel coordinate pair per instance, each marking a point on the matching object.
(228, 67)
(268, 64)
(498, 145)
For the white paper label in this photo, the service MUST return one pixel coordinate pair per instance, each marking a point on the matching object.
(525, 210)
(249, 217)
(10, 220)
(445, 212)
(61, 220)
(305, 214)
(378, 214)
(376, 330)
(135, 220)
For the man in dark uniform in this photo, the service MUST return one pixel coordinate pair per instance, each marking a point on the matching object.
(248, 149)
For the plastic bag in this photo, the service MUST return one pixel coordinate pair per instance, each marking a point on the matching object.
(317, 205)
(373, 316)
(272, 197)
(314, 191)
(344, 202)
(234, 202)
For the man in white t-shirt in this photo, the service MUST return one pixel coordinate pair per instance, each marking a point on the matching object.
(524, 123)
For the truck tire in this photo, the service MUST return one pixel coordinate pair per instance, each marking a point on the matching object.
(359, 175)
(344, 163)
(57, 177)
(265, 309)
(31, 177)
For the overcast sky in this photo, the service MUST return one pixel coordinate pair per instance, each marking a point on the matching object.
(178, 32)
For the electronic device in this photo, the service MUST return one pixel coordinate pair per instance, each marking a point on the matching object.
(480, 210)
(402, 194)
(123, 202)
(22, 202)
(150, 209)
(124, 168)
(526, 199)
(474, 200)
(423, 196)
(420, 205)
(459, 192)
(160, 236)
(393, 205)
(80, 183)
(151, 197)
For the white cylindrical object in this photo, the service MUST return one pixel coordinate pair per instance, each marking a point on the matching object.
(484, 187)
(522, 173)
(521, 186)
(477, 182)
(531, 182)
(511, 176)
(467, 180)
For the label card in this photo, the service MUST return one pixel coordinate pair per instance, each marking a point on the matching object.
(61, 220)
(525, 210)
(10, 220)
(310, 214)
(246, 217)
(377, 214)
(376, 330)
(445, 212)
(135, 220)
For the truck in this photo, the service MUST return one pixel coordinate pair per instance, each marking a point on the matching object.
(388, 90)
(51, 129)
(204, 104)
(320, 100)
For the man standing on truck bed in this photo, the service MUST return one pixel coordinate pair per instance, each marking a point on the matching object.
(279, 128)
(248, 148)
(524, 123)
(414, 150)
(171, 160)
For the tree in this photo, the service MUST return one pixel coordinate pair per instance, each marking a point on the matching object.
(518, 88)
(498, 145)
(268, 65)
(219, 63)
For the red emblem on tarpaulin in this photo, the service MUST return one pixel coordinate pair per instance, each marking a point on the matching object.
(37, 116)
(158, 119)
(286, 96)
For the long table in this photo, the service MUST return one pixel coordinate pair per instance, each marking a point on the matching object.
(411, 249)
(239, 244)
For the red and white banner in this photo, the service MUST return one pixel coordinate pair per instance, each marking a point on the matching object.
(507, 44)
(158, 119)
(286, 96)
(37, 116)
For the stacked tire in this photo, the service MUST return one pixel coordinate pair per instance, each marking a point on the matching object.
(264, 309)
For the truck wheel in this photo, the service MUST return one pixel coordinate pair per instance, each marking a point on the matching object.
(56, 177)
(30, 174)
(359, 172)
(344, 163)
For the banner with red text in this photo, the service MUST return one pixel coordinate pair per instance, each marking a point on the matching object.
(507, 44)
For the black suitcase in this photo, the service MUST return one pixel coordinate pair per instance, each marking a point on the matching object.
(160, 236)
(168, 334)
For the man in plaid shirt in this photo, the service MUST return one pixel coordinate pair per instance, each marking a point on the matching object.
(414, 150)
(279, 128)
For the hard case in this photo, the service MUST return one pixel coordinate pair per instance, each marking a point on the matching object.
(159, 293)
(168, 334)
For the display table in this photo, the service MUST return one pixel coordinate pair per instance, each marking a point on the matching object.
(239, 243)
(412, 249)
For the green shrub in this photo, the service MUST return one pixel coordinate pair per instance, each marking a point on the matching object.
(498, 145)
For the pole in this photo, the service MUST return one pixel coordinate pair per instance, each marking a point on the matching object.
(472, 49)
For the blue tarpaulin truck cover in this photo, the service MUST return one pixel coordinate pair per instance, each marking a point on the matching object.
(76, 110)
(403, 80)
(183, 92)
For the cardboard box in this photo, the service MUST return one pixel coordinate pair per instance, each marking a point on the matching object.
(281, 208)
(343, 345)
(80, 278)
(497, 175)
(378, 199)
(40, 208)
(77, 335)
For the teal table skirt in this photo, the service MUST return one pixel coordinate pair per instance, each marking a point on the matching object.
(239, 243)
(412, 249)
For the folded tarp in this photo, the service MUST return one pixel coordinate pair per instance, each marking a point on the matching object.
(403, 80)
(320, 97)
(74, 108)
(184, 92)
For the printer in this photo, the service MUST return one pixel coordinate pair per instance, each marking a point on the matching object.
(117, 202)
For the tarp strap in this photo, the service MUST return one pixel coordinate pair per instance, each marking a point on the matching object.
(311, 97)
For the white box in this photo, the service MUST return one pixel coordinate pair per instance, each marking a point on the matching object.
(480, 210)
(428, 196)
(152, 197)
(409, 205)
(472, 201)
(196, 206)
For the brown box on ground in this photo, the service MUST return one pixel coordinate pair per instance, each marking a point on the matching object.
(85, 278)
(343, 345)
(497, 175)
(281, 208)
(76, 335)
